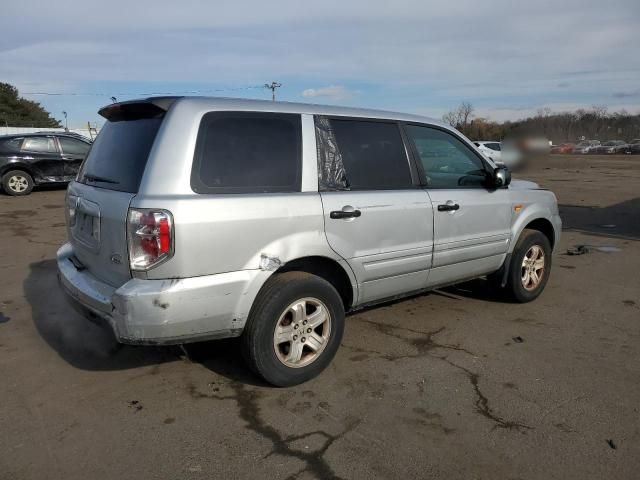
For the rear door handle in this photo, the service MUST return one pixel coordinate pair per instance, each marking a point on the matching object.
(448, 207)
(336, 214)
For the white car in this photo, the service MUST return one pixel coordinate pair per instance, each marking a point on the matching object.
(491, 150)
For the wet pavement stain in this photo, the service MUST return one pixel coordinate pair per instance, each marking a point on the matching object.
(247, 401)
(422, 341)
(425, 344)
(482, 403)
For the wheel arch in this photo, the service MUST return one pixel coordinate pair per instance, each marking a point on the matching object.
(544, 226)
(330, 270)
(17, 166)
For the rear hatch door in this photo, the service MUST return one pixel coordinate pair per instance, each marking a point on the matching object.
(98, 201)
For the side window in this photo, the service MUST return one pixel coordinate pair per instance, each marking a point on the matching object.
(446, 161)
(11, 144)
(39, 144)
(373, 155)
(494, 146)
(71, 146)
(238, 152)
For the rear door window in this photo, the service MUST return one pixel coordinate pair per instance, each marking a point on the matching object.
(373, 154)
(39, 144)
(119, 155)
(71, 146)
(248, 152)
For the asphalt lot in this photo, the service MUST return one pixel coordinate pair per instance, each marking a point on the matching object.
(451, 384)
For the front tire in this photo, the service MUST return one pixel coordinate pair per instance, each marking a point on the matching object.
(530, 266)
(17, 183)
(294, 328)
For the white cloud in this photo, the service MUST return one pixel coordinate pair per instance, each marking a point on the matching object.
(408, 55)
(332, 92)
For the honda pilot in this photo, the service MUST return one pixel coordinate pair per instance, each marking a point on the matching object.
(203, 218)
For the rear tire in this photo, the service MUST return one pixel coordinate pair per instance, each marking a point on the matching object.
(17, 183)
(530, 266)
(294, 328)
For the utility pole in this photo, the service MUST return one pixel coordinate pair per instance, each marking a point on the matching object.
(273, 87)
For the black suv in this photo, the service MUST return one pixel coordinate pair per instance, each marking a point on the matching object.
(37, 158)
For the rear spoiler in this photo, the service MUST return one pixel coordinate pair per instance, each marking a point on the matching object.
(153, 107)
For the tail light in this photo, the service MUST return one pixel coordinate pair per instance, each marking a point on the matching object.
(72, 205)
(150, 237)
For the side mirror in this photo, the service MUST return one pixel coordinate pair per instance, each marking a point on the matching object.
(501, 177)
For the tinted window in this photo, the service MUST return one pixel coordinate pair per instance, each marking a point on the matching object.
(39, 144)
(373, 155)
(71, 146)
(446, 161)
(247, 153)
(119, 155)
(494, 146)
(11, 144)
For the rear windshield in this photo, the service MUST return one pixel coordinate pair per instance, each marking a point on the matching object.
(118, 157)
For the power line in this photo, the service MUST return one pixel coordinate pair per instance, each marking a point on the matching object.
(121, 94)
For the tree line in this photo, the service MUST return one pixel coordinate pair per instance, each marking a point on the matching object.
(596, 123)
(16, 111)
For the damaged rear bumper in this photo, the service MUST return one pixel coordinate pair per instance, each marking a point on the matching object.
(168, 311)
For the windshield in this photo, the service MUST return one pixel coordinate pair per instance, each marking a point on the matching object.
(118, 157)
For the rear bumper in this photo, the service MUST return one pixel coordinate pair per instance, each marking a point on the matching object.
(163, 311)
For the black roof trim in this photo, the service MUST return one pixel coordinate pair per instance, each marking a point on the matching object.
(153, 107)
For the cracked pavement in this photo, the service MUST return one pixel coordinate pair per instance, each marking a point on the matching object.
(451, 384)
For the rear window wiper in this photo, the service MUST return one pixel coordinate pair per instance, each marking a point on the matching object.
(96, 178)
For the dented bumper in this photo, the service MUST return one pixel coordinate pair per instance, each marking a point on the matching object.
(167, 311)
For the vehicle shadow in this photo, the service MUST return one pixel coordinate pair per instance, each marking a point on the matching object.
(80, 342)
(621, 220)
(91, 346)
(224, 358)
(478, 289)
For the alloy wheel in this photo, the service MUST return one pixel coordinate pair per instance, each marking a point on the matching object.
(533, 267)
(302, 332)
(18, 183)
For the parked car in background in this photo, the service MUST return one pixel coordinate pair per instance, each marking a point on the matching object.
(201, 218)
(610, 148)
(40, 158)
(563, 148)
(585, 146)
(634, 147)
(490, 149)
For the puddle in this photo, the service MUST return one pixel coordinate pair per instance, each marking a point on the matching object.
(606, 248)
(582, 249)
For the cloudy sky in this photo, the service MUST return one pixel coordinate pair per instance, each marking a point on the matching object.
(508, 58)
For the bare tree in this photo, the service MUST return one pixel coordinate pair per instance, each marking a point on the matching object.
(460, 117)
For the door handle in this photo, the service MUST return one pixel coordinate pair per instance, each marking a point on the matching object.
(336, 214)
(448, 207)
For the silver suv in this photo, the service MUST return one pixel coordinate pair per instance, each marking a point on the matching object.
(203, 218)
